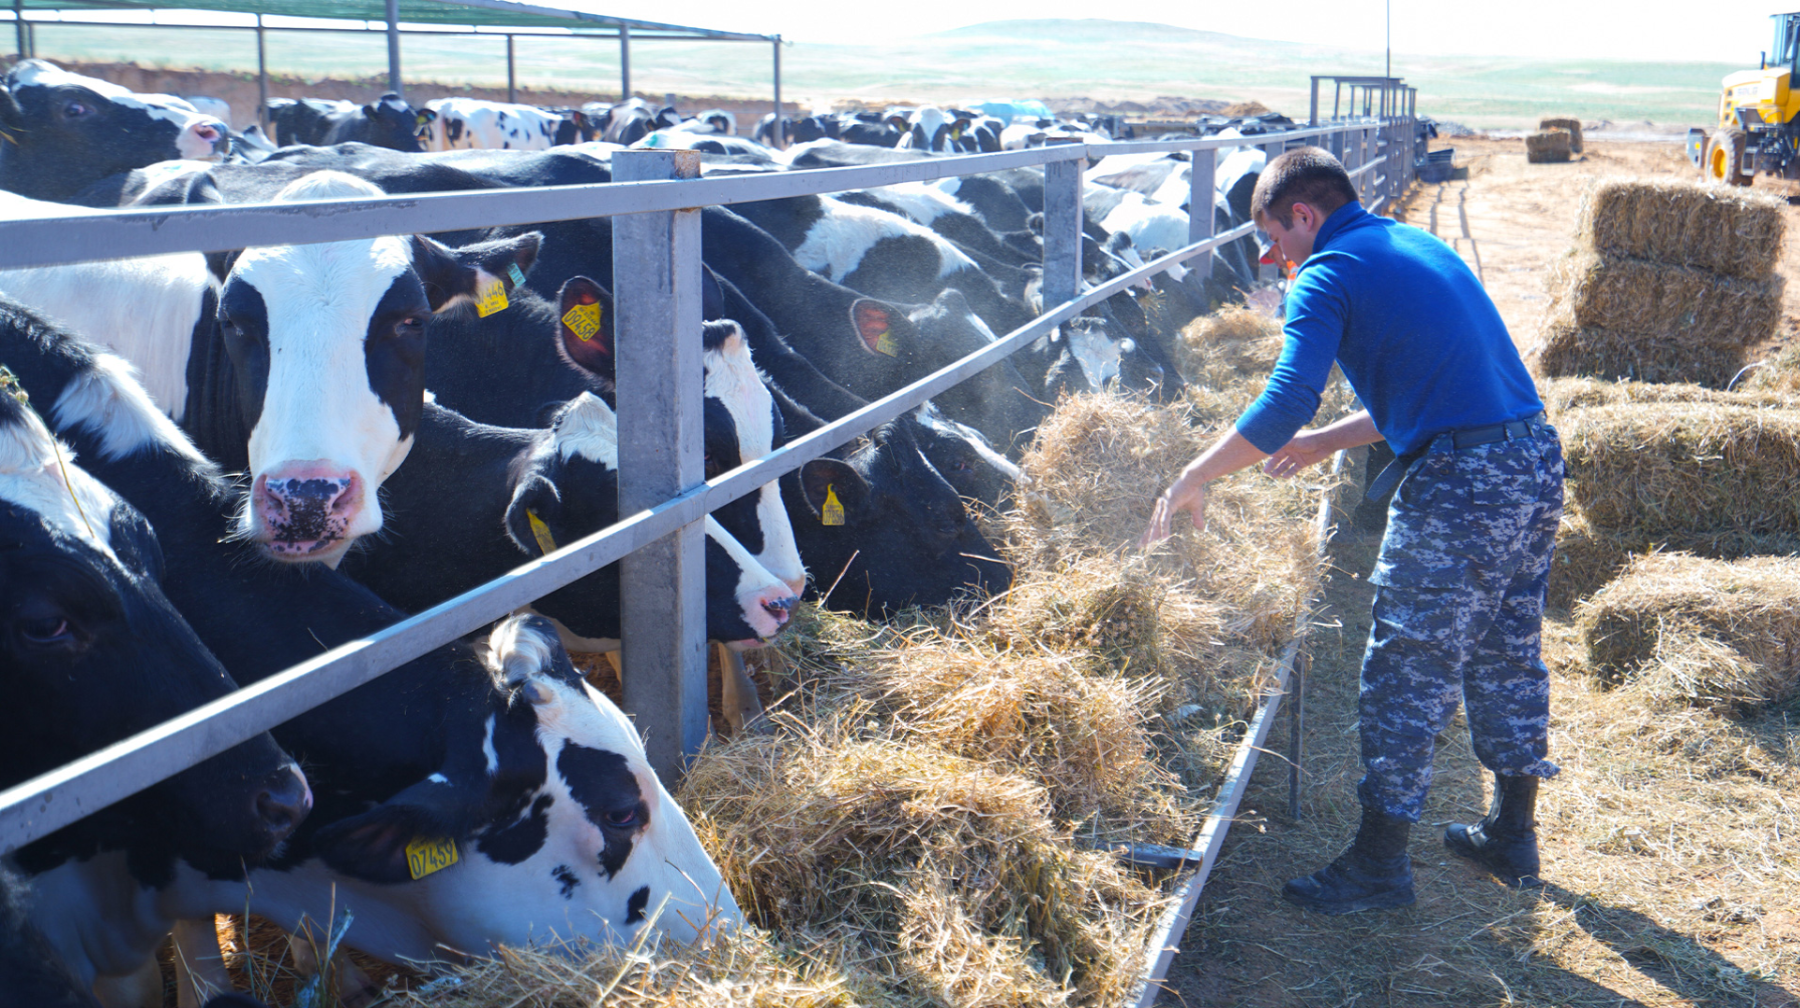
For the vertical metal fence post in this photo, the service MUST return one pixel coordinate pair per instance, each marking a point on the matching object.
(512, 77)
(1203, 186)
(656, 277)
(1062, 230)
(262, 79)
(19, 27)
(1271, 271)
(624, 62)
(780, 136)
(393, 40)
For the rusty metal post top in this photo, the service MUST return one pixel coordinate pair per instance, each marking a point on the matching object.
(655, 165)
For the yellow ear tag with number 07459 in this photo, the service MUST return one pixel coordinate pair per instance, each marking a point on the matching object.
(426, 856)
(831, 512)
(491, 298)
(541, 533)
(583, 320)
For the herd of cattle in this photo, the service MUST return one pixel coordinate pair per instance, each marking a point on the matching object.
(216, 466)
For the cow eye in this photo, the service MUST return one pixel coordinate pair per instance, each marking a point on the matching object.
(76, 109)
(622, 818)
(46, 631)
(411, 325)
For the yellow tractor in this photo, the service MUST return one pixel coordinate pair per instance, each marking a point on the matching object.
(1759, 117)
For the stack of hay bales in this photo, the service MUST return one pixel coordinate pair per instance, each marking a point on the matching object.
(1667, 282)
(1569, 126)
(1688, 630)
(1547, 147)
(1715, 473)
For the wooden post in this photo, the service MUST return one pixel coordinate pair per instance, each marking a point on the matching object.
(512, 77)
(624, 62)
(1202, 186)
(1062, 229)
(393, 40)
(656, 277)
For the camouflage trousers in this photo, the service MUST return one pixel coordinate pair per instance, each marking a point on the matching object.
(1458, 609)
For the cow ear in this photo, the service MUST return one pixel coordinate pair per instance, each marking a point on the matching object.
(586, 312)
(899, 122)
(827, 479)
(372, 846)
(11, 117)
(884, 329)
(535, 498)
(454, 276)
(221, 262)
(371, 111)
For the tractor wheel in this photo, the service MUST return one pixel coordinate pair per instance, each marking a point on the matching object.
(1725, 158)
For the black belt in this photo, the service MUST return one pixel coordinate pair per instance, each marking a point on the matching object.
(1471, 437)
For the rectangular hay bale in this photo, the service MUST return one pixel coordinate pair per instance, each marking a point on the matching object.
(1718, 480)
(1678, 303)
(1721, 229)
(1569, 126)
(1716, 633)
(1546, 147)
(1563, 394)
(1586, 559)
(1574, 351)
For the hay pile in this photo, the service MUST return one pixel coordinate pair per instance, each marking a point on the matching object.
(1778, 374)
(1547, 147)
(1680, 629)
(1569, 126)
(924, 822)
(1667, 282)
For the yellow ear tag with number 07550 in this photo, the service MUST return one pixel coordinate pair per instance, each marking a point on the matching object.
(583, 320)
(831, 512)
(491, 298)
(541, 533)
(426, 856)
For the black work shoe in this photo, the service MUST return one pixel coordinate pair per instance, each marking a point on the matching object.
(1505, 843)
(1374, 874)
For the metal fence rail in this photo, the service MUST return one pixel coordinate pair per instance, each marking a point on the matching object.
(656, 284)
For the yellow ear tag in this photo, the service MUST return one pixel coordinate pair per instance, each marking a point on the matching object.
(541, 533)
(426, 856)
(491, 299)
(887, 344)
(583, 320)
(831, 512)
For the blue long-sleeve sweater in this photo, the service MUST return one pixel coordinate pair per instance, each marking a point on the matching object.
(1417, 336)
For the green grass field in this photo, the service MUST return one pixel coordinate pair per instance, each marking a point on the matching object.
(1110, 60)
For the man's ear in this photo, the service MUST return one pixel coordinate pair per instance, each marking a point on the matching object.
(586, 312)
(453, 276)
(822, 480)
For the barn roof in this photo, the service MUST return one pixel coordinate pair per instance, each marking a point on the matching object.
(489, 14)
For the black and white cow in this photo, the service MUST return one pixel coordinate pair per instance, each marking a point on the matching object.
(387, 122)
(562, 834)
(629, 121)
(472, 123)
(930, 128)
(315, 379)
(60, 132)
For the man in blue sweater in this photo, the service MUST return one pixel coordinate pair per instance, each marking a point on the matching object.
(1461, 575)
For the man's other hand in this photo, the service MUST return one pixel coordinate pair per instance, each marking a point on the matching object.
(1306, 448)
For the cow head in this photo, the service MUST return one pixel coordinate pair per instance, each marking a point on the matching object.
(966, 460)
(94, 652)
(394, 123)
(562, 830)
(568, 488)
(742, 423)
(327, 343)
(61, 131)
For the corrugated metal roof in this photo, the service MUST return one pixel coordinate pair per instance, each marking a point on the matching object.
(481, 13)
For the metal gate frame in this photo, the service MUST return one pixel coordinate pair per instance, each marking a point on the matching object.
(656, 284)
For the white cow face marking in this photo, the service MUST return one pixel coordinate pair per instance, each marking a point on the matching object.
(39, 475)
(732, 380)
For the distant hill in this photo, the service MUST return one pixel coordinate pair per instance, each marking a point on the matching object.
(1049, 59)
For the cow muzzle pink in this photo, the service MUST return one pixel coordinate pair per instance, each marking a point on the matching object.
(766, 610)
(304, 511)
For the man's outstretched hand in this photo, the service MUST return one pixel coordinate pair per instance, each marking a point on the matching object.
(1184, 496)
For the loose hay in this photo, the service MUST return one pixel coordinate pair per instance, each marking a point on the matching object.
(1729, 230)
(1229, 346)
(1724, 635)
(1546, 147)
(1569, 126)
(1777, 375)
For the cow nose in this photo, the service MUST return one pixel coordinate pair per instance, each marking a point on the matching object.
(302, 499)
(284, 802)
(779, 609)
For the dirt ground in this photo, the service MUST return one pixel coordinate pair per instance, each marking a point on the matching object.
(1673, 874)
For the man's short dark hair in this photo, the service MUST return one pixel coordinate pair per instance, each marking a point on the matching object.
(1304, 175)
